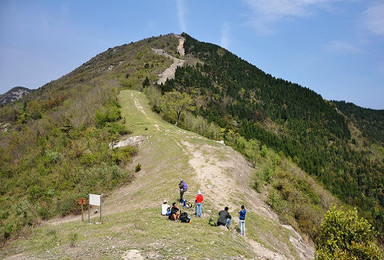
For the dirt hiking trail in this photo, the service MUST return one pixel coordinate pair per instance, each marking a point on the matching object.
(220, 173)
(133, 227)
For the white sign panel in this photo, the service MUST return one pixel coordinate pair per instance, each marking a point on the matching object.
(94, 199)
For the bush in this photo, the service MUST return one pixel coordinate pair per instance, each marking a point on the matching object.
(73, 237)
(111, 114)
(344, 235)
(123, 154)
(138, 167)
(67, 204)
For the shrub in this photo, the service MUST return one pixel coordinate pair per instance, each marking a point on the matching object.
(73, 237)
(344, 235)
(111, 114)
(138, 167)
(67, 204)
(123, 154)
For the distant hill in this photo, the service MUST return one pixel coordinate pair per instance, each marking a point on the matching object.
(14, 94)
(369, 121)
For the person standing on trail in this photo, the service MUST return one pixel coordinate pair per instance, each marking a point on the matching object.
(183, 188)
(224, 218)
(242, 213)
(199, 199)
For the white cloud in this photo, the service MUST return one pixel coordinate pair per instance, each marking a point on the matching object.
(225, 36)
(264, 13)
(374, 18)
(341, 47)
(181, 14)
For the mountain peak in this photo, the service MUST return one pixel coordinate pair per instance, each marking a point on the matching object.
(14, 94)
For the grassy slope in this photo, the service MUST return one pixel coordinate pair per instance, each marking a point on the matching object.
(131, 213)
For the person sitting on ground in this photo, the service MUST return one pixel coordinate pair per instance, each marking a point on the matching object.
(175, 212)
(199, 199)
(165, 208)
(224, 218)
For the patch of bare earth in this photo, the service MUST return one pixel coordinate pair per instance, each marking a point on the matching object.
(169, 73)
(224, 178)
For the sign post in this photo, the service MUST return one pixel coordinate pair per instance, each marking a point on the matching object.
(96, 201)
(82, 202)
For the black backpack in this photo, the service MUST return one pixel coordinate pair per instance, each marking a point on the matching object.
(184, 217)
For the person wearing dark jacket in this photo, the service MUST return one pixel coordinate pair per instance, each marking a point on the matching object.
(183, 188)
(175, 212)
(224, 218)
(242, 213)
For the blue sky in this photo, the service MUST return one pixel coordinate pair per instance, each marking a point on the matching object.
(334, 47)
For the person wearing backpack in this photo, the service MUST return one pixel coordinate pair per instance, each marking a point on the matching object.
(242, 213)
(224, 218)
(183, 188)
(199, 199)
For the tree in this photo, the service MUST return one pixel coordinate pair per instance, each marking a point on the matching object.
(146, 82)
(174, 104)
(344, 235)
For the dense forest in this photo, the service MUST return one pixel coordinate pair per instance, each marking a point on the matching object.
(284, 116)
(369, 121)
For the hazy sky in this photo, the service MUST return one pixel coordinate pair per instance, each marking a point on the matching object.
(334, 47)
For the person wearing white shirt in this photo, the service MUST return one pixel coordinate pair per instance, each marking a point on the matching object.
(165, 208)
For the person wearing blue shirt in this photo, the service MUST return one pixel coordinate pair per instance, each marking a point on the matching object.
(242, 213)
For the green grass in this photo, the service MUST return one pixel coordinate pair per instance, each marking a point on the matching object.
(148, 232)
(141, 227)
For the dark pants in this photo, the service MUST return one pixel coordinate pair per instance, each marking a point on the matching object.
(181, 195)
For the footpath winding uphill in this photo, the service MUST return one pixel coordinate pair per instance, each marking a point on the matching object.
(223, 175)
(132, 225)
(169, 73)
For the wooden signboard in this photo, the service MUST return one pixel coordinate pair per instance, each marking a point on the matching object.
(82, 202)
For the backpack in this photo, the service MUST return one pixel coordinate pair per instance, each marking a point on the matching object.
(187, 204)
(184, 217)
(185, 186)
(211, 222)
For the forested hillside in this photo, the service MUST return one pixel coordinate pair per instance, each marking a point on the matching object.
(55, 141)
(369, 121)
(293, 120)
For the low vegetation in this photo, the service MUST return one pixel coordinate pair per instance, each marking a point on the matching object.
(54, 143)
(344, 235)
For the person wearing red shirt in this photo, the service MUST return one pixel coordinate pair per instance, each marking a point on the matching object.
(199, 199)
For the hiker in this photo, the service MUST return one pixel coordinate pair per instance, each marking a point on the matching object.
(183, 188)
(165, 208)
(175, 212)
(242, 213)
(199, 199)
(224, 218)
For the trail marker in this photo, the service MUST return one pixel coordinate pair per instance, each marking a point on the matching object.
(95, 200)
(82, 202)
